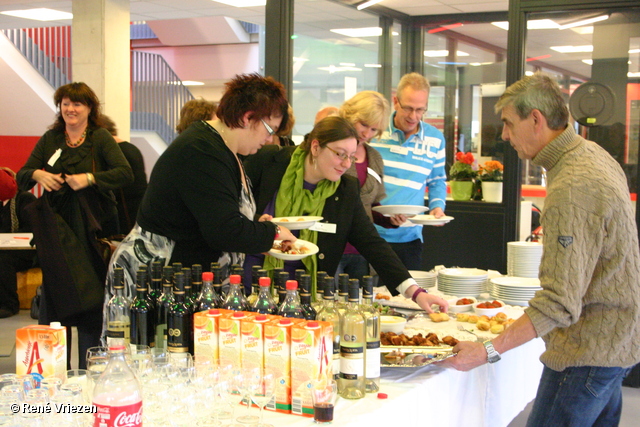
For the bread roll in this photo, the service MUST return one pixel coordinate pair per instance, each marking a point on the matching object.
(439, 317)
(497, 328)
(473, 318)
(462, 317)
(483, 325)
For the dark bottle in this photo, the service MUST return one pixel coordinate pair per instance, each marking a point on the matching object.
(298, 273)
(217, 279)
(189, 299)
(155, 284)
(282, 286)
(142, 314)
(237, 270)
(255, 287)
(196, 283)
(162, 308)
(291, 306)
(208, 297)
(305, 297)
(235, 299)
(118, 311)
(317, 303)
(264, 303)
(177, 267)
(274, 281)
(179, 320)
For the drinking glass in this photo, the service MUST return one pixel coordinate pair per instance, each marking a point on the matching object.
(6, 414)
(183, 365)
(38, 398)
(80, 377)
(262, 388)
(324, 395)
(14, 392)
(141, 360)
(243, 381)
(51, 384)
(97, 360)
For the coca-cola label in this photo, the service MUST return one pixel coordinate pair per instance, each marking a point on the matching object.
(118, 416)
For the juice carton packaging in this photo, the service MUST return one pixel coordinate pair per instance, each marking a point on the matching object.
(277, 360)
(230, 339)
(41, 350)
(205, 332)
(252, 329)
(311, 356)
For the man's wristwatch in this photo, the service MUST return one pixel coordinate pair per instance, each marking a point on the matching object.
(492, 355)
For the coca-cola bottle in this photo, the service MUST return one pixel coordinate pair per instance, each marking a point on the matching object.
(117, 395)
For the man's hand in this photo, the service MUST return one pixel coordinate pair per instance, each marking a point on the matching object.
(437, 212)
(469, 355)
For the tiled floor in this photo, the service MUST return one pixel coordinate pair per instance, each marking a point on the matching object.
(631, 396)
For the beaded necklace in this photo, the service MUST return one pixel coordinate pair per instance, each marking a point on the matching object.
(78, 142)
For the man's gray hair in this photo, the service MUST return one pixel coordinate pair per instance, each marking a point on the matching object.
(539, 92)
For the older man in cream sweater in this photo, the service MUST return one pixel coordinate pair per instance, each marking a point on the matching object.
(588, 311)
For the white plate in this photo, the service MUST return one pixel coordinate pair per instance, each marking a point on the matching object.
(390, 210)
(311, 249)
(430, 220)
(296, 222)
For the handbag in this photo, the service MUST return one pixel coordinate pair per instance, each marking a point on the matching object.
(35, 303)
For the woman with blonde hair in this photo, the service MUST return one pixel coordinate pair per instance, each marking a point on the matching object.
(368, 111)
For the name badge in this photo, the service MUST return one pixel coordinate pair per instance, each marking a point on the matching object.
(400, 150)
(52, 161)
(324, 227)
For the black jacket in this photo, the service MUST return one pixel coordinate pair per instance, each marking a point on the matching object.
(343, 208)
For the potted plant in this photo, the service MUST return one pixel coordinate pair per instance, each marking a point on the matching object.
(462, 175)
(491, 174)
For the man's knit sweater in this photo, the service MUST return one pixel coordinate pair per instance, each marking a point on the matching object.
(588, 312)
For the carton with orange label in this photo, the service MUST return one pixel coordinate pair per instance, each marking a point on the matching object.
(230, 339)
(41, 350)
(252, 329)
(205, 332)
(311, 355)
(277, 360)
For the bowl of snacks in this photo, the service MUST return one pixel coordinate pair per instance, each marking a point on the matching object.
(394, 324)
(489, 308)
(460, 305)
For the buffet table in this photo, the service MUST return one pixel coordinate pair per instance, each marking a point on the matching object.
(490, 395)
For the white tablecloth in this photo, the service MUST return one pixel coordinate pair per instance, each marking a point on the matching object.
(490, 395)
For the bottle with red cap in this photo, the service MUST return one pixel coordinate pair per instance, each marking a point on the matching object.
(117, 395)
(208, 297)
(235, 299)
(291, 306)
(264, 303)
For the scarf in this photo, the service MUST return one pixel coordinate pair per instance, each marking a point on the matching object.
(293, 200)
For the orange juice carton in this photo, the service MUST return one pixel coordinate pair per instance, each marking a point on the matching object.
(230, 339)
(311, 356)
(277, 360)
(205, 332)
(252, 329)
(41, 350)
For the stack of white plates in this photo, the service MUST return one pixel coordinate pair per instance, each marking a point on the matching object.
(523, 259)
(462, 281)
(514, 290)
(425, 279)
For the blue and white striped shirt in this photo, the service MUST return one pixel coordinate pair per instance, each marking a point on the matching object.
(409, 167)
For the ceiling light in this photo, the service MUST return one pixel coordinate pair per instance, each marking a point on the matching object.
(633, 74)
(359, 32)
(634, 51)
(572, 49)
(367, 4)
(534, 24)
(373, 65)
(192, 83)
(347, 64)
(588, 61)
(333, 69)
(528, 73)
(242, 3)
(40, 14)
(442, 53)
(584, 22)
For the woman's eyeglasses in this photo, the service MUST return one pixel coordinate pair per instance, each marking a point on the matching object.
(342, 156)
(269, 128)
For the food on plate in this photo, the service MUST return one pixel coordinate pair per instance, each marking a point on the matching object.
(483, 317)
(287, 247)
(500, 317)
(383, 296)
(483, 325)
(462, 317)
(497, 329)
(439, 317)
(472, 318)
(300, 219)
(284, 220)
(490, 304)
(464, 301)
(431, 340)
(449, 340)
(394, 356)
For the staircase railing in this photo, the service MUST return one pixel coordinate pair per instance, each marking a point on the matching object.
(157, 95)
(48, 49)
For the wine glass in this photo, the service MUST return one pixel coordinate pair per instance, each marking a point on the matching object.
(262, 388)
(243, 381)
(97, 360)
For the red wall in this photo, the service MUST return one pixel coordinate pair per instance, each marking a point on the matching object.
(15, 150)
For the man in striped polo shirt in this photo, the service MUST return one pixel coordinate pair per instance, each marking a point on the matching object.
(414, 159)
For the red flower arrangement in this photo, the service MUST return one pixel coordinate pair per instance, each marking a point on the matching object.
(462, 169)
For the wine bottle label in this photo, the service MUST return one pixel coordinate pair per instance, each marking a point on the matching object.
(373, 359)
(351, 362)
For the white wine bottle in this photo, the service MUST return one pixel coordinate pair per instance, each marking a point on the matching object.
(372, 318)
(353, 341)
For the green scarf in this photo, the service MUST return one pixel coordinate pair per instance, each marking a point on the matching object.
(294, 200)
